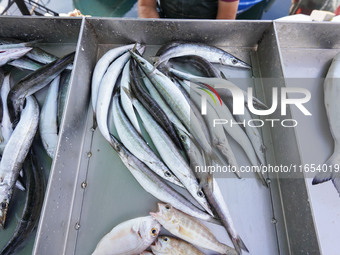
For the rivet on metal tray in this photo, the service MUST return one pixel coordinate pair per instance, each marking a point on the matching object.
(77, 226)
(274, 221)
(83, 185)
(269, 181)
(89, 154)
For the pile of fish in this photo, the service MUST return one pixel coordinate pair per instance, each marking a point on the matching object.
(164, 101)
(331, 99)
(20, 120)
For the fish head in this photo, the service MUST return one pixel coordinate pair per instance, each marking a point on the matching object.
(3, 213)
(148, 229)
(163, 244)
(230, 60)
(143, 63)
(165, 213)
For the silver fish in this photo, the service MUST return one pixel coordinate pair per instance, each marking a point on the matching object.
(15, 153)
(331, 98)
(166, 245)
(6, 124)
(129, 238)
(11, 54)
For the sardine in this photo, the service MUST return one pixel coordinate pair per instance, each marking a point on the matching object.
(152, 184)
(102, 66)
(166, 245)
(331, 98)
(15, 153)
(48, 119)
(129, 238)
(35, 191)
(189, 229)
(211, 53)
(34, 82)
(137, 146)
(170, 155)
(11, 54)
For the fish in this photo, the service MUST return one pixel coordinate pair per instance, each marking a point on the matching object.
(15, 153)
(211, 53)
(129, 238)
(65, 77)
(101, 67)
(170, 155)
(126, 102)
(137, 146)
(105, 91)
(11, 54)
(25, 63)
(154, 185)
(189, 229)
(171, 246)
(176, 100)
(35, 191)
(34, 82)
(6, 124)
(48, 119)
(331, 88)
(146, 253)
(151, 105)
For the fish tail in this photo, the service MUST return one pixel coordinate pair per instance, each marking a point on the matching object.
(321, 177)
(238, 242)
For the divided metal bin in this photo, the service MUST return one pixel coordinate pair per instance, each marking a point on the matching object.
(90, 190)
(58, 36)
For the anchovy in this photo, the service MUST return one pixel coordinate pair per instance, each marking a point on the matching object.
(137, 146)
(152, 184)
(331, 99)
(48, 119)
(170, 155)
(106, 88)
(102, 66)
(126, 102)
(25, 63)
(35, 191)
(65, 77)
(34, 82)
(15, 153)
(11, 54)
(211, 53)
(151, 105)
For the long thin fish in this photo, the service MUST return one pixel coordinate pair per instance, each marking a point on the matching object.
(137, 146)
(11, 54)
(35, 191)
(331, 98)
(151, 105)
(65, 77)
(172, 246)
(25, 63)
(152, 184)
(189, 229)
(15, 153)
(34, 82)
(171, 156)
(211, 53)
(6, 124)
(48, 119)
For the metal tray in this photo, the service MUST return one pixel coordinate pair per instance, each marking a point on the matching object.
(90, 190)
(307, 50)
(58, 36)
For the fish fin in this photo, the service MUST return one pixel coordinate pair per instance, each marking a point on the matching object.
(128, 93)
(240, 244)
(20, 184)
(223, 75)
(155, 59)
(321, 177)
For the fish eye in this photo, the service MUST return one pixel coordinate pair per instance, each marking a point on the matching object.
(182, 137)
(167, 207)
(142, 63)
(234, 61)
(200, 193)
(154, 232)
(167, 174)
(3, 205)
(165, 239)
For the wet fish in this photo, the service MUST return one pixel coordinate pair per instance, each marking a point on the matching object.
(48, 119)
(166, 245)
(35, 190)
(170, 155)
(25, 63)
(152, 184)
(15, 153)
(129, 238)
(331, 100)
(34, 82)
(211, 53)
(65, 77)
(189, 229)
(6, 124)
(11, 54)
(137, 146)
(102, 66)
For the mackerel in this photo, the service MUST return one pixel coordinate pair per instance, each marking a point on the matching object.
(15, 153)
